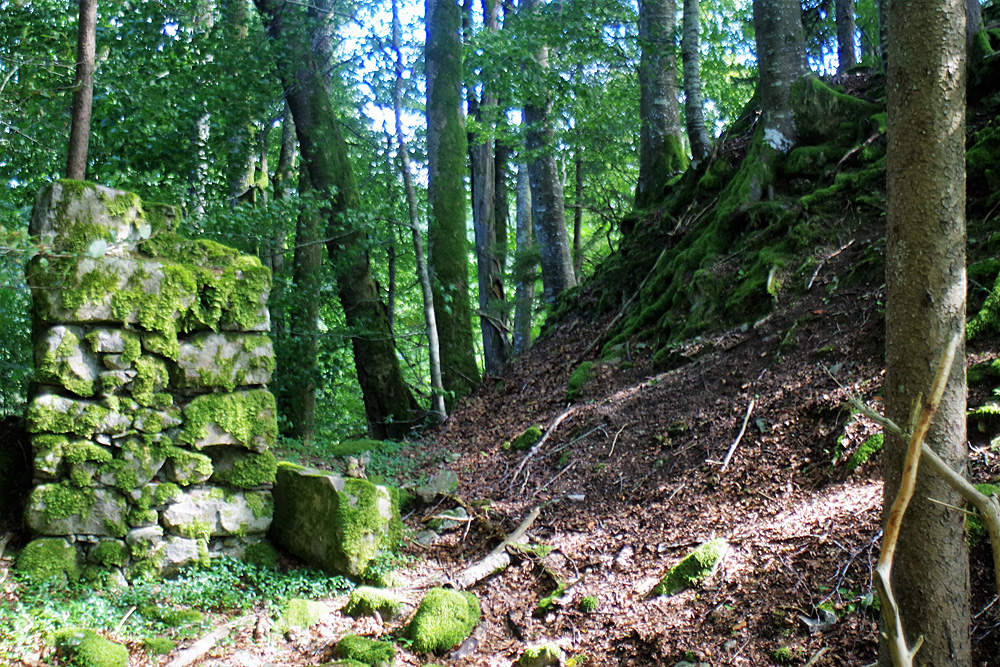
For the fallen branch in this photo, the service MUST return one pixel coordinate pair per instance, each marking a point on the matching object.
(538, 445)
(858, 148)
(892, 622)
(736, 442)
(205, 644)
(497, 560)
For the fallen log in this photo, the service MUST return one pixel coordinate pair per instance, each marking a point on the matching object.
(496, 560)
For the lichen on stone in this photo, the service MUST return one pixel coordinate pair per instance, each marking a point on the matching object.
(443, 620)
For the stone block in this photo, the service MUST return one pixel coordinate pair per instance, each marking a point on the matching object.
(244, 418)
(204, 512)
(226, 360)
(61, 359)
(52, 413)
(62, 509)
(334, 523)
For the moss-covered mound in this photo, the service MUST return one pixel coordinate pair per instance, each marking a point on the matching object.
(693, 568)
(366, 601)
(366, 651)
(86, 648)
(300, 613)
(443, 620)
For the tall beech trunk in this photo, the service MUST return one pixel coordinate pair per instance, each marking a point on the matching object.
(925, 307)
(525, 263)
(83, 91)
(548, 212)
(423, 274)
(492, 315)
(847, 57)
(447, 248)
(389, 406)
(578, 215)
(694, 100)
(661, 152)
(781, 60)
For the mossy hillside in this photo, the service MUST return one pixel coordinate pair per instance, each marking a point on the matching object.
(443, 620)
(693, 568)
(86, 648)
(366, 651)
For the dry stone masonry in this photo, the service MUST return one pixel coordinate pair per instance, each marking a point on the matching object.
(150, 422)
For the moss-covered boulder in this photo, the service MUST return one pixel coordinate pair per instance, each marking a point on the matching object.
(244, 418)
(64, 509)
(366, 651)
(214, 512)
(443, 620)
(300, 613)
(693, 568)
(334, 523)
(228, 360)
(526, 439)
(86, 648)
(367, 601)
(545, 655)
(49, 557)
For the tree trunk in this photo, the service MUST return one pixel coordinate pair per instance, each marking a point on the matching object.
(389, 406)
(578, 215)
(423, 275)
(844, 10)
(447, 247)
(83, 91)
(781, 60)
(240, 158)
(661, 152)
(973, 24)
(501, 174)
(548, 212)
(694, 101)
(525, 261)
(925, 307)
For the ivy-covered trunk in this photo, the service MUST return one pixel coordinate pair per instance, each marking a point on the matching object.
(661, 153)
(447, 247)
(389, 406)
(925, 307)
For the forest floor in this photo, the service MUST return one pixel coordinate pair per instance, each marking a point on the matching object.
(630, 481)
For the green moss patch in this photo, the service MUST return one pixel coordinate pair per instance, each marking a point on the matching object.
(301, 613)
(250, 417)
(49, 557)
(870, 446)
(86, 648)
(248, 471)
(443, 620)
(581, 375)
(525, 440)
(366, 651)
(693, 568)
(158, 645)
(366, 601)
(545, 655)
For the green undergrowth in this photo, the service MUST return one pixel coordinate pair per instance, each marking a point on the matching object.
(165, 609)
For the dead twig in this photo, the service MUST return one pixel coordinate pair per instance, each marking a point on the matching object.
(615, 440)
(205, 644)
(816, 656)
(496, 560)
(826, 259)
(557, 476)
(736, 442)
(892, 621)
(538, 445)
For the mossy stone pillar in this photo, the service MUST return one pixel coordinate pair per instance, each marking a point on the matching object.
(150, 420)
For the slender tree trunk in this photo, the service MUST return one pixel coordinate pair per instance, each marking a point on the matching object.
(240, 158)
(578, 215)
(548, 212)
(844, 10)
(973, 24)
(694, 101)
(446, 238)
(501, 205)
(389, 406)
(925, 307)
(781, 60)
(525, 262)
(661, 152)
(83, 91)
(277, 303)
(423, 274)
(203, 22)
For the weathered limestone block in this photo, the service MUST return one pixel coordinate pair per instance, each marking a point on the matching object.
(62, 509)
(185, 467)
(52, 413)
(238, 468)
(61, 359)
(226, 360)
(145, 543)
(336, 524)
(72, 216)
(204, 512)
(244, 418)
(180, 551)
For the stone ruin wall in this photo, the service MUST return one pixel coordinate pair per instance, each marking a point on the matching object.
(150, 422)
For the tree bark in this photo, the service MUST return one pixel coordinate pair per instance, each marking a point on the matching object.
(548, 212)
(525, 261)
(847, 58)
(925, 307)
(694, 101)
(447, 247)
(389, 406)
(661, 153)
(781, 60)
(423, 274)
(83, 91)
(578, 214)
